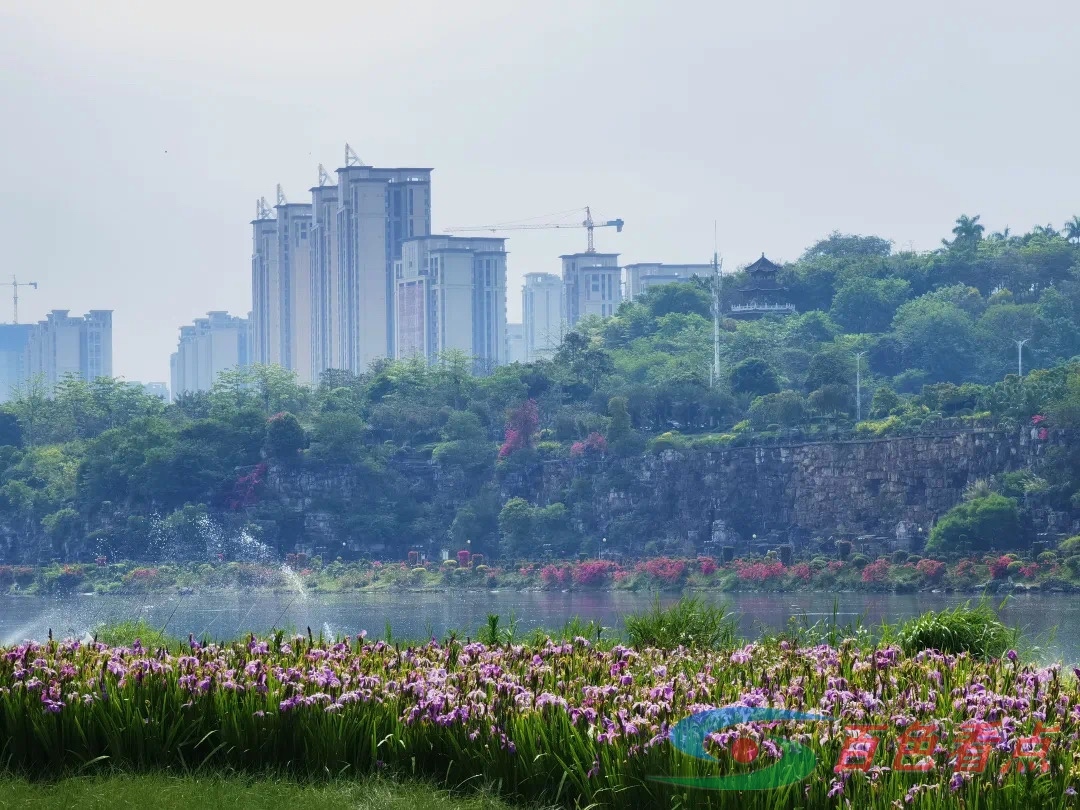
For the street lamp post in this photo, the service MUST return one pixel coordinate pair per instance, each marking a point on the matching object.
(858, 386)
(600, 556)
(1020, 356)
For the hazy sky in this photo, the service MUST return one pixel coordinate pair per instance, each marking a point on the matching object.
(137, 135)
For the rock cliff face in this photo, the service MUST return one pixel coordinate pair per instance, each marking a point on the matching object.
(890, 488)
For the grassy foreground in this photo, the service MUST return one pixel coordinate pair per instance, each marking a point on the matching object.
(224, 792)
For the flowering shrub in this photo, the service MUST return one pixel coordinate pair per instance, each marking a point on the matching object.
(667, 570)
(1029, 571)
(877, 571)
(759, 571)
(999, 567)
(592, 572)
(707, 565)
(463, 558)
(932, 570)
(801, 571)
(552, 575)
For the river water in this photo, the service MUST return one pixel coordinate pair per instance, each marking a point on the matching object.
(1052, 622)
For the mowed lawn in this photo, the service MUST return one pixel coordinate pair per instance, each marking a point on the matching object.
(165, 792)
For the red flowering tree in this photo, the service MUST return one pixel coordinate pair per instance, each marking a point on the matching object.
(594, 444)
(245, 490)
(521, 428)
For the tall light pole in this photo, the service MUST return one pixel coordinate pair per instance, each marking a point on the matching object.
(1020, 356)
(859, 386)
(601, 555)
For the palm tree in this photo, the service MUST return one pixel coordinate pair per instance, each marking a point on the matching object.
(1048, 231)
(1072, 230)
(968, 229)
(1002, 235)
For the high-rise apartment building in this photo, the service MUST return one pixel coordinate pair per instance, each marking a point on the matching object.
(542, 318)
(591, 285)
(281, 287)
(211, 345)
(642, 276)
(14, 371)
(450, 294)
(325, 280)
(378, 209)
(294, 274)
(265, 291)
(62, 345)
(515, 343)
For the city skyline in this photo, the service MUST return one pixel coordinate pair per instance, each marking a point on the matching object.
(148, 134)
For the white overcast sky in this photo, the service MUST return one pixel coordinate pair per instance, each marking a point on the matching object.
(136, 136)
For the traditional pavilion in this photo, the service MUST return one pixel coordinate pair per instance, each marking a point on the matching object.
(762, 293)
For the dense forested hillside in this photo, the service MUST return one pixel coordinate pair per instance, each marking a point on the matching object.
(101, 468)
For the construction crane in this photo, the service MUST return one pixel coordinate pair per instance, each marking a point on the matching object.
(588, 224)
(15, 284)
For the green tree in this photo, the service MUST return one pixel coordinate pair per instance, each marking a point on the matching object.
(884, 403)
(516, 525)
(754, 376)
(337, 437)
(865, 304)
(619, 427)
(785, 409)
(980, 524)
(1072, 230)
(284, 437)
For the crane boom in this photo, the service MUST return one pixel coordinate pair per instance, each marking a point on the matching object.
(589, 224)
(15, 284)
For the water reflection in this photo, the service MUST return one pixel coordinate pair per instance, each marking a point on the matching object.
(419, 615)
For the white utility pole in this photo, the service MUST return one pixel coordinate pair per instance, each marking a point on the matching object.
(858, 386)
(1020, 356)
(718, 266)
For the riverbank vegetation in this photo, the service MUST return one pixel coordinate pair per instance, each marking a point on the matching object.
(102, 469)
(847, 569)
(564, 721)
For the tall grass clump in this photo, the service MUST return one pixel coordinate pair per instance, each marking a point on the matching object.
(690, 623)
(975, 630)
(126, 633)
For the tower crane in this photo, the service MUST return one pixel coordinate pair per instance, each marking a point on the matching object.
(589, 224)
(15, 284)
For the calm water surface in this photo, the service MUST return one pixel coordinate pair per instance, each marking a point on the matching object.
(1051, 621)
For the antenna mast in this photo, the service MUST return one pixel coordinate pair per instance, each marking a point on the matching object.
(717, 292)
(281, 196)
(324, 176)
(351, 158)
(15, 284)
(262, 209)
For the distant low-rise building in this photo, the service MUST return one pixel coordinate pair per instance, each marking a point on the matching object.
(206, 348)
(643, 275)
